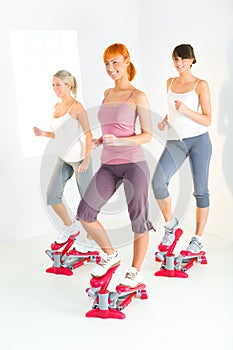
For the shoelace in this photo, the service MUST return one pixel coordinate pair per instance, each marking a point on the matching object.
(130, 275)
(168, 231)
(195, 242)
(103, 262)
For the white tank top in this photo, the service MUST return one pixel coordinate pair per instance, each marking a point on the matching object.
(180, 126)
(69, 144)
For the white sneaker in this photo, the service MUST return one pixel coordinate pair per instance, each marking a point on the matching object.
(169, 235)
(67, 232)
(132, 278)
(194, 246)
(105, 264)
(87, 245)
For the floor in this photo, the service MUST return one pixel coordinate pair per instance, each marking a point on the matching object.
(41, 311)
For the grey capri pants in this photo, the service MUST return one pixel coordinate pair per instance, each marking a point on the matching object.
(63, 171)
(199, 150)
(135, 178)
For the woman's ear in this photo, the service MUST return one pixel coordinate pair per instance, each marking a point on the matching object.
(68, 85)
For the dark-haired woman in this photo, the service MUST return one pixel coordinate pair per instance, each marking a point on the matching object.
(187, 121)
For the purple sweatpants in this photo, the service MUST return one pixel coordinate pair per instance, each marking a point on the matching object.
(135, 178)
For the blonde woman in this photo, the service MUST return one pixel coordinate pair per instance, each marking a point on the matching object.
(73, 156)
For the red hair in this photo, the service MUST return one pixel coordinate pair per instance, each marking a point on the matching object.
(120, 49)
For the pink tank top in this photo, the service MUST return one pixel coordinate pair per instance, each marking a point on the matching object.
(121, 122)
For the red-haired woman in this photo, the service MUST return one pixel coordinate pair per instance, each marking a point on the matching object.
(123, 161)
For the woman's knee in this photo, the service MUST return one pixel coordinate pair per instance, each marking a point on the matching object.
(86, 213)
(160, 189)
(53, 198)
(159, 185)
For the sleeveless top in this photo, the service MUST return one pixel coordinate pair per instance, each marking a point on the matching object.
(69, 145)
(119, 121)
(180, 126)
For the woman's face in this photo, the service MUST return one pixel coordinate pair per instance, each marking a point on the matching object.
(182, 64)
(116, 67)
(60, 88)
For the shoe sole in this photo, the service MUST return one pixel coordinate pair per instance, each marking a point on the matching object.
(106, 271)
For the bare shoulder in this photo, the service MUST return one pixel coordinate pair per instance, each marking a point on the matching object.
(168, 83)
(139, 95)
(202, 85)
(57, 105)
(140, 99)
(202, 82)
(106, 92)
(77, 107)
(77, 110)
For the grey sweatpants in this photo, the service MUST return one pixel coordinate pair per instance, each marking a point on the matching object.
(199, 150)
(61, 174)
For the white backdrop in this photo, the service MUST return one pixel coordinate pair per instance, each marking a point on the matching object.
(150, 29)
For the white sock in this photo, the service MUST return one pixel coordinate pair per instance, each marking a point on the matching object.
(112, 255)
(171, 223)
(72, 224)
(199, 238)
(133, 269)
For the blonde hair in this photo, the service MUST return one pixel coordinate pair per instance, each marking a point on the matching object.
(120, 49)
(68, 78)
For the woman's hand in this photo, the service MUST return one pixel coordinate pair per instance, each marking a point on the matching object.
(38, 132)
(95, 143)
(180, 107)
(163, 124)
(82, 168)
(112, 140)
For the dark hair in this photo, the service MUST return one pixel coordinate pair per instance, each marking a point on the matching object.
(184, 51)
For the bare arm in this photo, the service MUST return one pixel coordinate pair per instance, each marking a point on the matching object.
(82, 117)
(203, 118)
(164, 122)
(96, 142)
(162, 125)
(39, 132)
